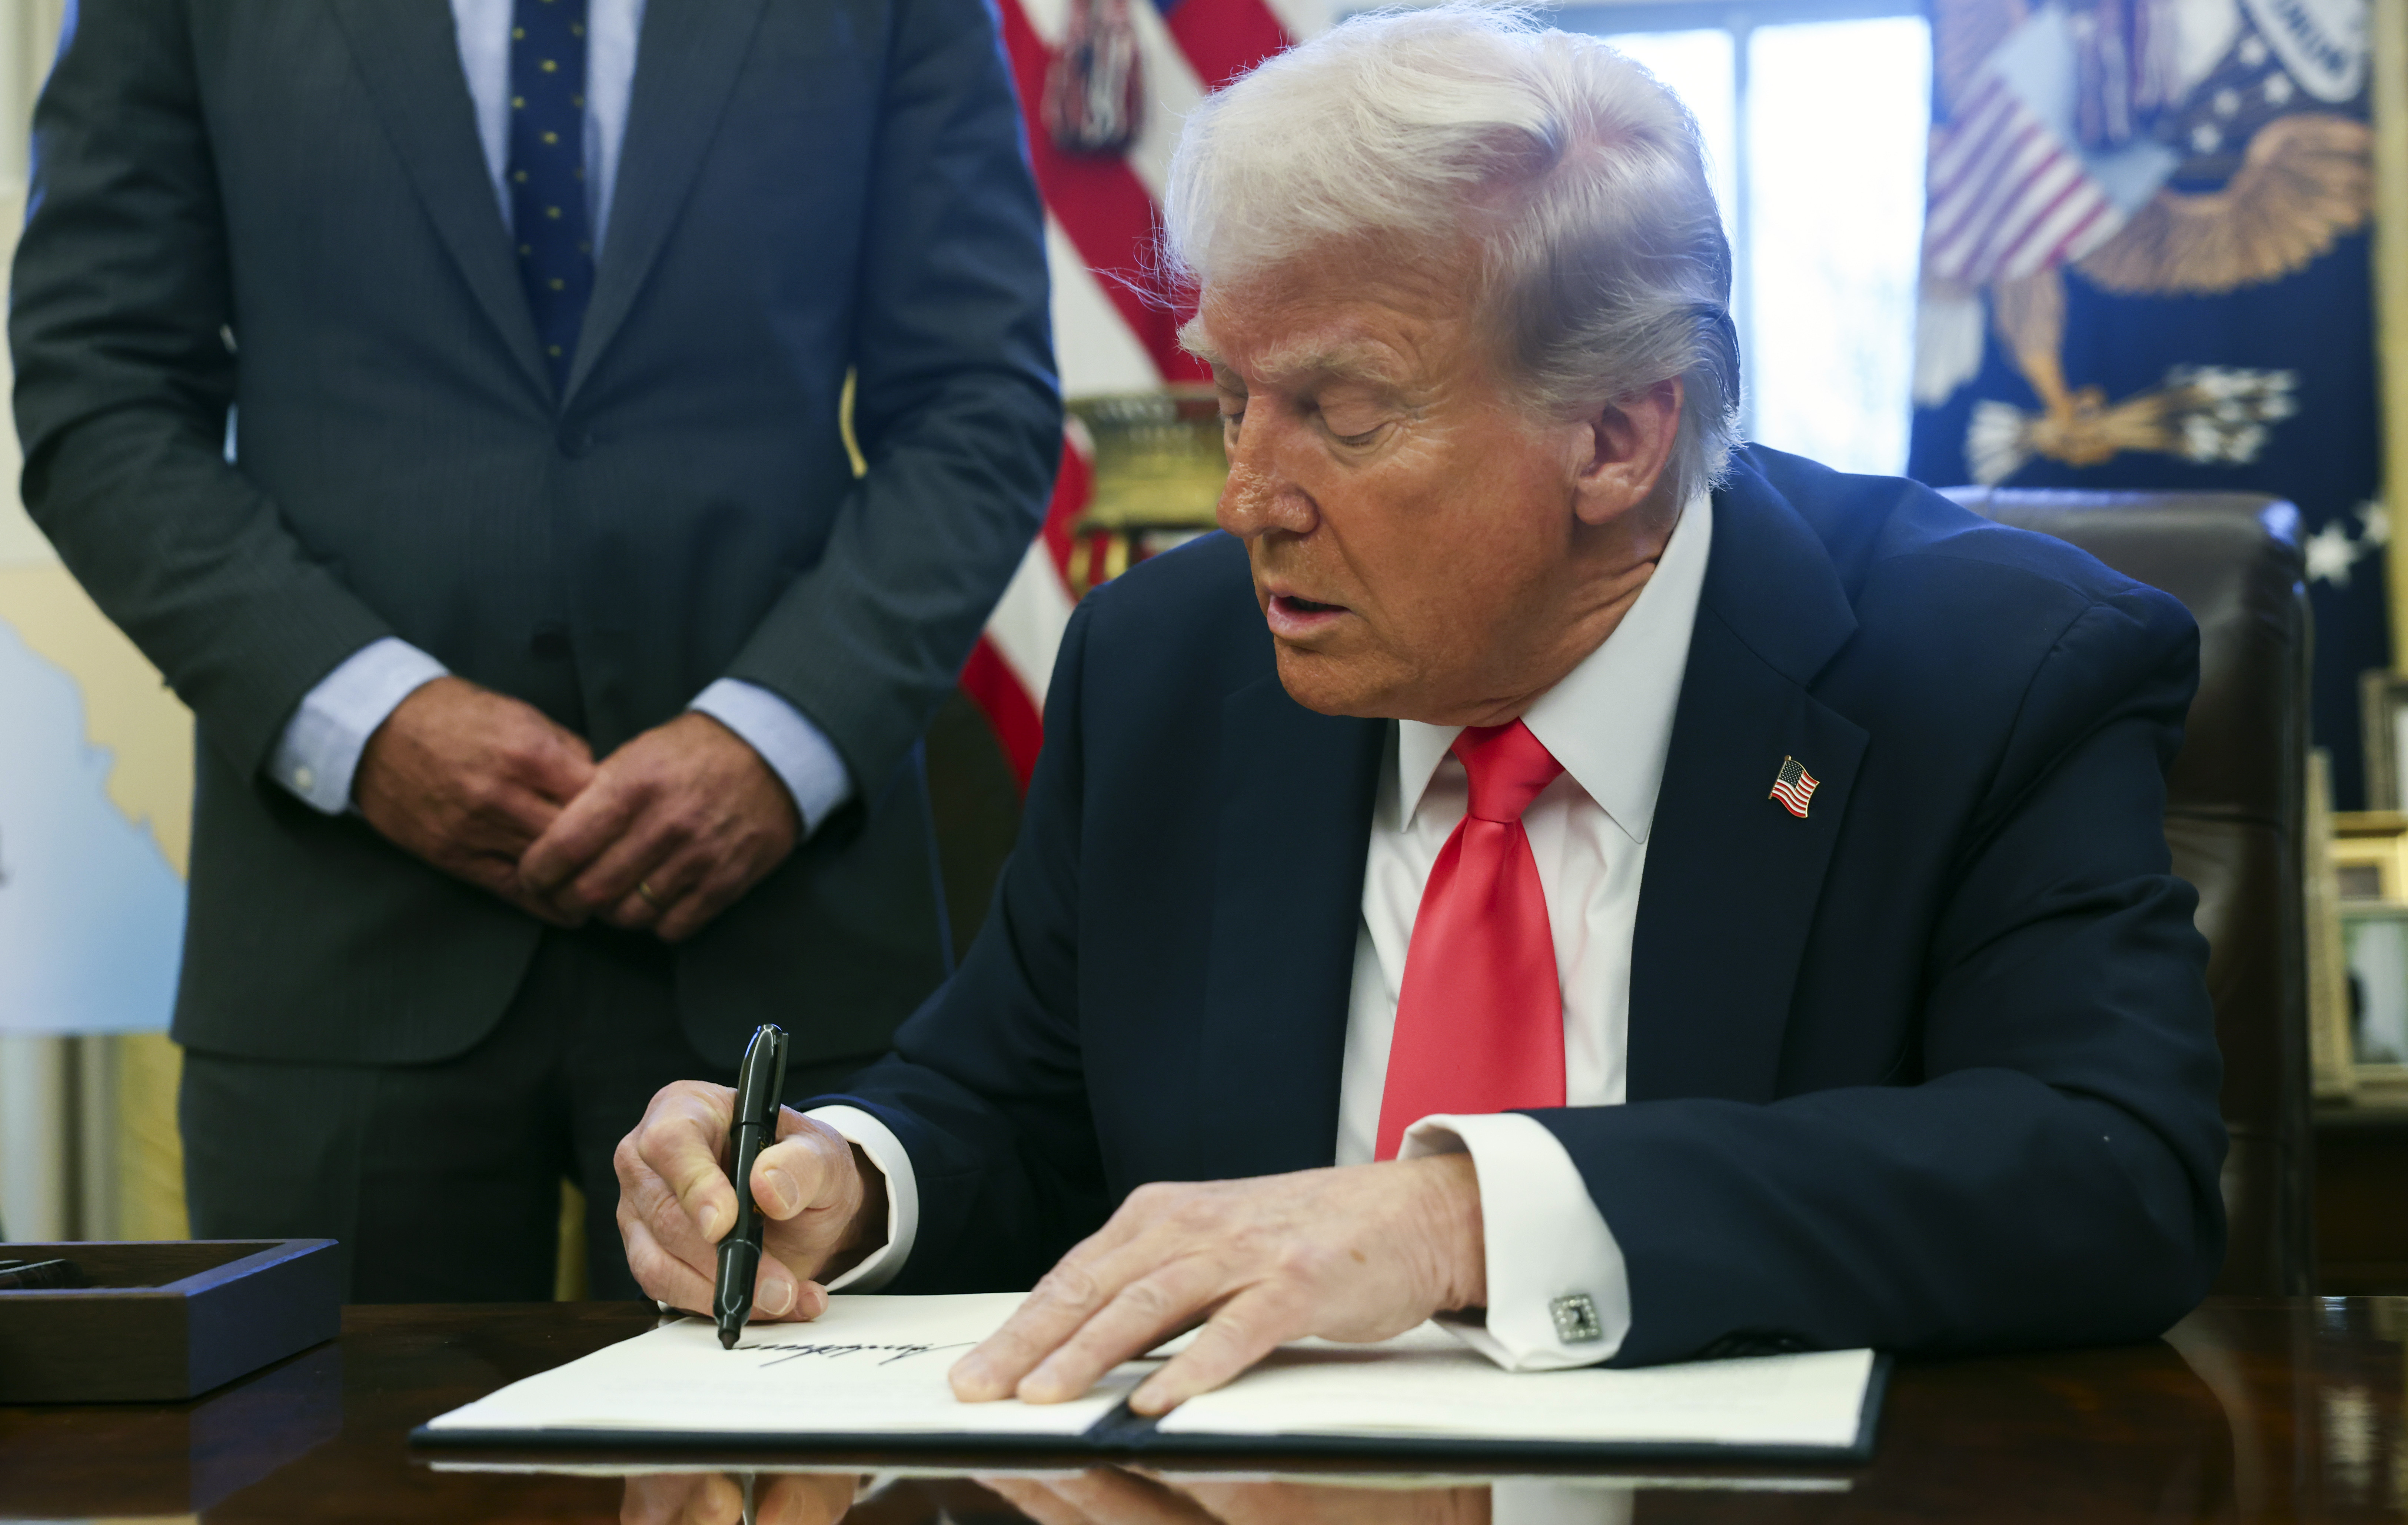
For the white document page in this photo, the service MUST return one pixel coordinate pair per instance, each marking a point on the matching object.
(875, 1365)
(1427, 1383)
(869, 1365)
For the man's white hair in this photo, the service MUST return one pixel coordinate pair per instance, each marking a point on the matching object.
(1577, 176)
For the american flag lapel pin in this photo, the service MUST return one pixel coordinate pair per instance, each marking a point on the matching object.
(1794, 787)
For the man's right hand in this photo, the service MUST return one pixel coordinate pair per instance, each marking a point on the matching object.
(827, 1208)
(467, 778)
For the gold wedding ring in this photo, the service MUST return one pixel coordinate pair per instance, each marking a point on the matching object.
(644, 887)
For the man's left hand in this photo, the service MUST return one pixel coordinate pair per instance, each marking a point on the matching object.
(675, 826)
(1358, 1253)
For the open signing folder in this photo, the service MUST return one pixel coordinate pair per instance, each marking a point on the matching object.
(869, 1375)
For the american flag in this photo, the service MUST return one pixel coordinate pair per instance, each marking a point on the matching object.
(1794, 787)
(1113, 330)
(2009, 197)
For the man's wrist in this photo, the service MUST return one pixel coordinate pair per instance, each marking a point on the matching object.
(867, 1230)
(1449, 1203)
(320, 752)
(1557, 1290)
(897, 1190)
(796, 750)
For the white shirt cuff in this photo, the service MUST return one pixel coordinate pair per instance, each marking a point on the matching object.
(1558, 1293)
(797, 751)
(886, 1152)
(320, 749)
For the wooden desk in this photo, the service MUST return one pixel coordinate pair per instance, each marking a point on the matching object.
(2250, 1410)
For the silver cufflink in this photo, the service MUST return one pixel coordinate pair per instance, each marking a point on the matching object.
(1576, 1320)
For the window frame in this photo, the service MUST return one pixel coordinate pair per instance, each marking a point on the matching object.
(1609, 18)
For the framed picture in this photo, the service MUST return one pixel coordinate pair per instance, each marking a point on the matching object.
(2332, 1069)
(2374, 943)
(2383, 724)
(2369, 855)
(2357, 932)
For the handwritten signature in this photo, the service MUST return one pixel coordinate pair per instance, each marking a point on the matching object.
(895, 1352)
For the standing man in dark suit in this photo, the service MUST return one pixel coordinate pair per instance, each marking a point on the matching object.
(446, 397)
(1542, 862)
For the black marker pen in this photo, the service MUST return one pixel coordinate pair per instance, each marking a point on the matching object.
(754, 1127)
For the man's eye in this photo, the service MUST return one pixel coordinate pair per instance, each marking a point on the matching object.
(1351, 422)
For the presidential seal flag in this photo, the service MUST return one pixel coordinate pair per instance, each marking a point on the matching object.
(2145, 266)
(1794, 787)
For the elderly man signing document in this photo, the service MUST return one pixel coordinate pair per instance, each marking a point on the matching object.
(1652, 897)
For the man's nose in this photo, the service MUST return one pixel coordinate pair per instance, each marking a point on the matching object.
(1258, 495)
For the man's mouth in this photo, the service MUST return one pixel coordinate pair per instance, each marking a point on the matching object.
(1292, 616)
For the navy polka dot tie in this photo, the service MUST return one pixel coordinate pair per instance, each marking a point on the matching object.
(546, 171)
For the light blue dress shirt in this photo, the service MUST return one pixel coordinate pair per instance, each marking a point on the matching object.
(320, 749)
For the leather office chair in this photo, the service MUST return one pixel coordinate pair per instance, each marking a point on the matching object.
(2235, 808)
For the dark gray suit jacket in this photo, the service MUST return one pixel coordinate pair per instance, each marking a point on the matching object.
(280, 206)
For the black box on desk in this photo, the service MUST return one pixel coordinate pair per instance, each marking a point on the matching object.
(161, 1322)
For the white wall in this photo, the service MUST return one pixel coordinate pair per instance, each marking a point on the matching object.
(57, 1122)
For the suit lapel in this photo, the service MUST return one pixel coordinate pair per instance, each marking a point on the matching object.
(1297, 791)
(1732, 876)
(409, 54)
(686, 63)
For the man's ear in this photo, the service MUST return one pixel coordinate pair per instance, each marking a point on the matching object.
(1631, 441)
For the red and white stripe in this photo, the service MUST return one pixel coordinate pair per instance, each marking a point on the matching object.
(2008, 198)
(1794, 787)
(1111, 332)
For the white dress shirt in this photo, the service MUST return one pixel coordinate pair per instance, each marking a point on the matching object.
(319, 751)
(1609, 722)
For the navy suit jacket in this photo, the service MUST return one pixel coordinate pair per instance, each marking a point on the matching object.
(1932, 1068)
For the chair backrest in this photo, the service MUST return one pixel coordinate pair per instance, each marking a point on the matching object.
(2236, 804)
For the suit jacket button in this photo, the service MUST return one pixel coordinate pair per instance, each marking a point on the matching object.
(577, 444)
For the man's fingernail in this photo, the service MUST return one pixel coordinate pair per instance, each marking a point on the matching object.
(781, 1186)
(711, 1223)
(778, 1298)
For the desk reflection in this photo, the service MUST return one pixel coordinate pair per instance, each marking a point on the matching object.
(720, 1498)
(1108, 1496)
(1113, 1496)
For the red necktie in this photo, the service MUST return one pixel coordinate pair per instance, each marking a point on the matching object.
(1480, 1021)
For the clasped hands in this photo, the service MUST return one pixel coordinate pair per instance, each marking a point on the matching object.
(1354, 1253)
(663, 835)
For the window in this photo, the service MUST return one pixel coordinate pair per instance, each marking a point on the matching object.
(1814, 116)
